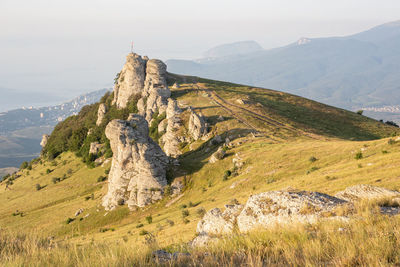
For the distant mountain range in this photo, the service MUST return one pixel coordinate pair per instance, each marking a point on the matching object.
(352, 72)
(21, 129)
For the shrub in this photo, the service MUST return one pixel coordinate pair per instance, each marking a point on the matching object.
(313, 169)
(359, 155)
(55, 180)
(70, 220)
(183, 206)
(168, 190)
(185, 213)
(48, 171)
(29, 167)
(143, 232)
(121, 202)
(186, 221)
(107, 171)
(170, 222)
(149, 219)
(360, 112)
(101, 179)
(24, 165)
(200, 212)
(227, 173)
(139, 225)
(391, 141)
(312, 159)
(392, 123)
(384, 152)
(38, 187)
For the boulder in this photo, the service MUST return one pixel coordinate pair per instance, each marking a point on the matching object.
(273, 208)
(131, 79)
(95, 148)
(216, 222)
(176, 86)
(138, 170)
(197, 125)
(218, 155)
(100, 113)
(45, 139)
(162, 126)
(363, 191)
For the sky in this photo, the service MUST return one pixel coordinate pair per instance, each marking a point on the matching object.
(55, 49)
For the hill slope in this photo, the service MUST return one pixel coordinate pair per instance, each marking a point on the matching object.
(352, 72)
(273, 134)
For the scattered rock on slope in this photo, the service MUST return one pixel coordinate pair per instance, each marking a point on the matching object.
(197, 125)
(218, 155)
(366, 192)
(100, 113)
(138, 170)
(45, 138)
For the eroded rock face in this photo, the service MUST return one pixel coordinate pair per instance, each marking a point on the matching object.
(95, 148)
(100, 113)
(170, 139)
(197, 125)
(45, 139)
(131, 79)
(155, 93)
(363, 191)
(138, 170)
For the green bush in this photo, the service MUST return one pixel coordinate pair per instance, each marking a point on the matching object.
(143, 232)
(24, 165)
(70, 220)
(185, 213)
(101, 179)
(360, 112)
(201, 212)
(312, 159)
(149, 219)
(139, 225)
(359, 155)
(38, 187)
(48, 171)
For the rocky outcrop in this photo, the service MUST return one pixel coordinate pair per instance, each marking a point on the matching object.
(218, 155)
(130, 80)
(197, 125)
(45, 139)
(266, 210)
(285, 207)
(363, 191)
(95, 148)
(100, 113)
(138, 169)
(170, 139)
(155, 92)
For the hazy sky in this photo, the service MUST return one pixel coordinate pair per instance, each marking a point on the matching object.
(65, 48)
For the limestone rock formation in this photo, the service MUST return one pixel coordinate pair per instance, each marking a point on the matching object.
(265, 210)
(285, 207)
(155, 93)
(197, 125)
(170, 140)
(130, 80)
(45, 138)
(138, 170)
(218, 155)
(363, 191)
(95, 148)
(100, 113)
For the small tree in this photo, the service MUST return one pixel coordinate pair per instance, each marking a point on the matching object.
(149, 219)
(360, 112)
(38, 187)
(359, 155)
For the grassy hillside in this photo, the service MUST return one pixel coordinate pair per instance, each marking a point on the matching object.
(282, 140)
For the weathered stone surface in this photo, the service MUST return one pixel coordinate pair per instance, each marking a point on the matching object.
(170, 139)
(177, 187)
(176, 85)
(203, 241)
(197, 125)
(162, 126)
(216, 222)
(273, 208)
(218, 155)
(95, 148)
(138, 169)
(156, 92)
(131, 79)
(45, 139)
(100, 113)
(363, 191)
